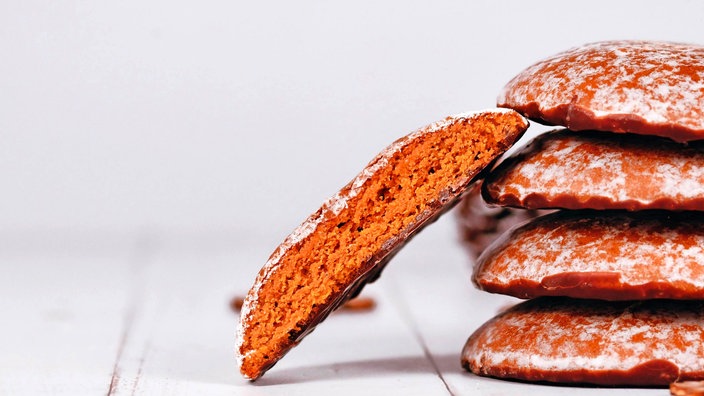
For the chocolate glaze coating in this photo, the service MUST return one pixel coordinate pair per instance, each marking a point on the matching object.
(644, 87)
(599, 170)
(634, 343)
(609, 255)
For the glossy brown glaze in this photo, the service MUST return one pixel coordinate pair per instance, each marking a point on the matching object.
(644, 87)
(598, 170)
(649, 343)
(610, 255)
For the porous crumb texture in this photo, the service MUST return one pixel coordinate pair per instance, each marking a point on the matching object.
(345, 243)
(611, 255)
(606, 171)
(620, 86)
(649, 343)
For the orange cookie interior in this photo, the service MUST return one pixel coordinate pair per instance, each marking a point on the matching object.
(348, 240)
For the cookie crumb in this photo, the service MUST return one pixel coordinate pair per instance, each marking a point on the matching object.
(236, 303)
(687, 388)
(359, 304)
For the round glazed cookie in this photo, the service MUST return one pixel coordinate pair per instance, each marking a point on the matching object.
(645, 87)
(597, 170)
(610, 255)
(347, 242)
(648, 343)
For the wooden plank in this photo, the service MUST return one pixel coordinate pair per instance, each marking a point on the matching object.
(62, 317)
(148, 316)
(182, 338)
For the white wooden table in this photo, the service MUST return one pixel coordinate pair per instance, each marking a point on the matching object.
(95, 313)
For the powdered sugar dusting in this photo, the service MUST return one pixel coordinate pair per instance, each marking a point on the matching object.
(659, 83)
(333, 205)
(572, 335)
(641, 248)
(627, 171)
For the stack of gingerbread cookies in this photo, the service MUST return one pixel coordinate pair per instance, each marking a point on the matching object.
(615, 276)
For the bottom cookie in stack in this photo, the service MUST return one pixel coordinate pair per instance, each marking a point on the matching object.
(618, 294)
(558, 339)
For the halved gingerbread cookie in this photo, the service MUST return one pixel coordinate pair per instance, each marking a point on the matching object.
(610, 255)
(347, 242)
(648, 343)
(598, 170)
(645, 87)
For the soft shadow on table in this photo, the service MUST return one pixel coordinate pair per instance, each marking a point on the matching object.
(358, 369)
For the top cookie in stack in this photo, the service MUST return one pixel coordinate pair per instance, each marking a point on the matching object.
(629, 228)
(643, 87)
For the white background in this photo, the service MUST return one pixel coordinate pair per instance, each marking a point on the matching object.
(221, 115)
(153, 154)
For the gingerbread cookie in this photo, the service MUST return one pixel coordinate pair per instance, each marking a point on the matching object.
(347, 242)
(645, 87)
(611, 255)
(598, 170)
(642, 343)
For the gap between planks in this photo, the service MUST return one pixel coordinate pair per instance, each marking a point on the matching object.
(142, 256)
(404, 310)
